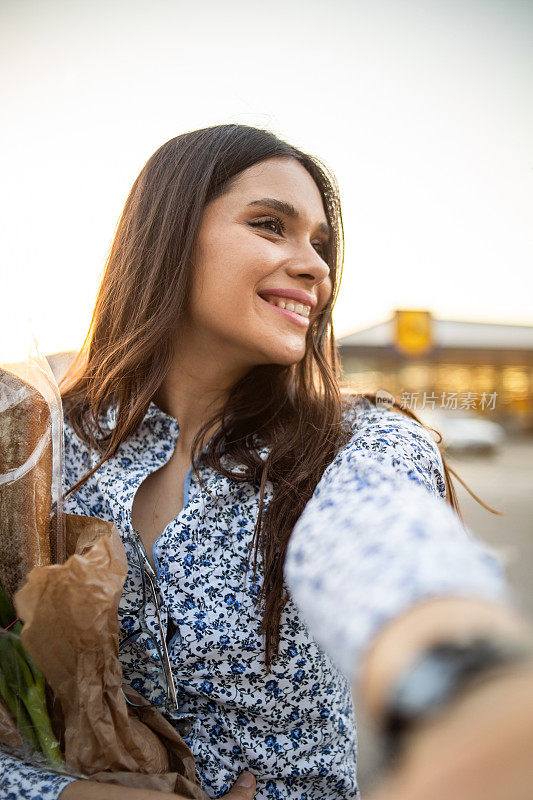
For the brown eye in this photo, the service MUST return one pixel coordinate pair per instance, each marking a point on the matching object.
(276, 225)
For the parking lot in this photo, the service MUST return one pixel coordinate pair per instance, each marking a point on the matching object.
(503, 481)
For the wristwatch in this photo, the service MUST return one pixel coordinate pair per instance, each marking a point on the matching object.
(437, 676)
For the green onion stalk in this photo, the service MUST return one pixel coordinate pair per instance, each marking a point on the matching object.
(22, 687)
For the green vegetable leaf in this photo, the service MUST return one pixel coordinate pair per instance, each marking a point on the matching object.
(7, 612)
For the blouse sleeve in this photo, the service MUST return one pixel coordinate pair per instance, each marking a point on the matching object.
(22, 781)
(377, 536)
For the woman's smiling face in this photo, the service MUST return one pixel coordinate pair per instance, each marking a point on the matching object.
(265, 236)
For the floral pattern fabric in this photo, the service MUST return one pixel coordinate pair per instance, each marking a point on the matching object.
(376, 537)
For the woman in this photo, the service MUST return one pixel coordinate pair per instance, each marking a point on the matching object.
(204, 418)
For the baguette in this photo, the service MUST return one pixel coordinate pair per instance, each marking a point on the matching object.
(25, 480)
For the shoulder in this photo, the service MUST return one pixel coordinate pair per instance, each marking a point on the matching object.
(74, 443)
(78, 458)
(72, 436)
(392, 438)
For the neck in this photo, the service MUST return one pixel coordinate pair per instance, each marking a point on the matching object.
(196, 387)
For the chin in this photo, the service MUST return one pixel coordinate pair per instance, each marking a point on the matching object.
(286, 359)
(281, 353)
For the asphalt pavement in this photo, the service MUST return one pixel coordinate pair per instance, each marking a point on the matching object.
(503, 481)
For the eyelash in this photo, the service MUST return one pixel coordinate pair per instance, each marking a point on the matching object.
(279, 222)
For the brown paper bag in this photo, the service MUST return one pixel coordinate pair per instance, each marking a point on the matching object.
(70, 613)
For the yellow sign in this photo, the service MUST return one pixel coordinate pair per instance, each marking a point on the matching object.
(412, 334)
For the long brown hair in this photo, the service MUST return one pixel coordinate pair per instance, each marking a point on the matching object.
(296, 410)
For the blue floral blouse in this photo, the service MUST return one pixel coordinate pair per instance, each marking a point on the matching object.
(375, 538)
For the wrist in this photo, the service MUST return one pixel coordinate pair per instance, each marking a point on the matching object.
(434, 620)
(439, 677)
(479, 746)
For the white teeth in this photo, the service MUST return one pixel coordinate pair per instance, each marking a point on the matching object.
(297, 308)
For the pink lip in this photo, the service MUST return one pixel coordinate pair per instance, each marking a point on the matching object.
(299, 295)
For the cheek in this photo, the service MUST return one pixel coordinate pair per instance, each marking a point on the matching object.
(215, 271)
(232, 263)
(223, 291)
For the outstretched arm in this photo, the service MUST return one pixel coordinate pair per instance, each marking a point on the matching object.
(377, 538)
(381, 567)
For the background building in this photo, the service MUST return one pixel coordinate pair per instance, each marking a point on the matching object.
(424, 361)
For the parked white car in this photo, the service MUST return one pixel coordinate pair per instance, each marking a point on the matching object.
(463, 430)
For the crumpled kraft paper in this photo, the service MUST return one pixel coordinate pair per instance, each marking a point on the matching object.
(70, 613)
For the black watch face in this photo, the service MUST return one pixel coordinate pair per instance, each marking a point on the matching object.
(427, 684)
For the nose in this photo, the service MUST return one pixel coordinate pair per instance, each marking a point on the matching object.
(309, 266)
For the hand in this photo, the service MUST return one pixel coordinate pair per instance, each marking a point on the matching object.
(241, 792)
(479, 748)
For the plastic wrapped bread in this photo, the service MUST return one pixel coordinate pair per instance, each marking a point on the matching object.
(26, 470)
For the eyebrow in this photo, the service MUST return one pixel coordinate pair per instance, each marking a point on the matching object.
(289, 210)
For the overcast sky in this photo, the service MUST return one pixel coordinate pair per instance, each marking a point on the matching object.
(423, 110)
